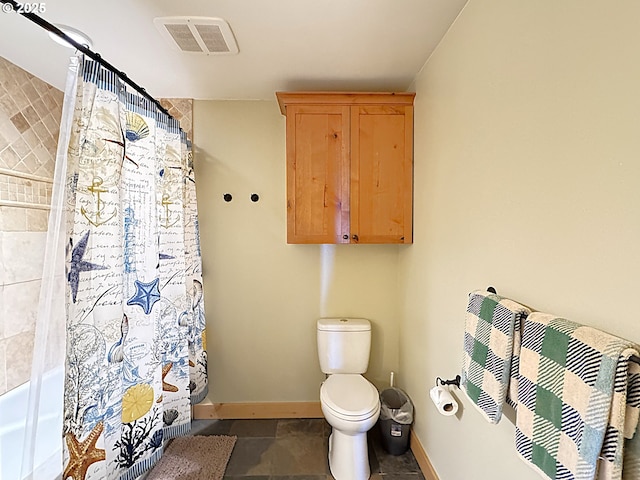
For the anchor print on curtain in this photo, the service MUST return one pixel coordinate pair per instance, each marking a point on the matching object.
(136, 358)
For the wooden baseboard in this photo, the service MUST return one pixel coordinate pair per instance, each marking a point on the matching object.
(421, 457)
(257, 410)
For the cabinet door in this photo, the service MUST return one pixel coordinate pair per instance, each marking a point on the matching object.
(381, 174)
(317, 174)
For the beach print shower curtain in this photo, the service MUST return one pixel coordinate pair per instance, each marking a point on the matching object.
(136, 354)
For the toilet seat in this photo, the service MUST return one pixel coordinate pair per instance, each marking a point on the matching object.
(350, 397)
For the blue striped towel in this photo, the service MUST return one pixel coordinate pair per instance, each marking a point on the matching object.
(620, 454)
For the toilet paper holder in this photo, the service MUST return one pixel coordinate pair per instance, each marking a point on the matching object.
(440, 382)
(442, 398)
(456, 381)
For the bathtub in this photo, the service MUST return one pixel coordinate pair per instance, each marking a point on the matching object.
(47, 461)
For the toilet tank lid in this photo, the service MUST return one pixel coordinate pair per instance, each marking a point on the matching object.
(343, 324)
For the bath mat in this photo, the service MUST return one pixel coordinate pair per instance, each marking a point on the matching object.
(196, 457)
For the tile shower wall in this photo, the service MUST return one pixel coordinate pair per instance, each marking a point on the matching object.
(182, 110)
(30, 111)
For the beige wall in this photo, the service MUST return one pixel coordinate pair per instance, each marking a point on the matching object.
(263, 296)
(526, 175)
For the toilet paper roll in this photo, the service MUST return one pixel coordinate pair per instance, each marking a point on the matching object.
(444, 401)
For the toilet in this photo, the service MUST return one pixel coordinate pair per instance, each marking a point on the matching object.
(350, 404)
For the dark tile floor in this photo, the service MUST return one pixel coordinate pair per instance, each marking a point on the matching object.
(296, 449)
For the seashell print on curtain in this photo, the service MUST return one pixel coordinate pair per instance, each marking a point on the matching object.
(136, 351)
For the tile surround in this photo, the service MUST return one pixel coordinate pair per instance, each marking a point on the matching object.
(23, 256)
(18, 364)
(3, 368)
(19, 307)
(30, 112)
(182, 110)
(2, 322)
(25, 191)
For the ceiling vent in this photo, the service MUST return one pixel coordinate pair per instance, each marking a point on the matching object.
(205, 35)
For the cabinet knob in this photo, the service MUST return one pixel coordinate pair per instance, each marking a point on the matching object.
(355, 237)
(346, 237)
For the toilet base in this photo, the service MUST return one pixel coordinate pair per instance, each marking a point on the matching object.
(348, 456)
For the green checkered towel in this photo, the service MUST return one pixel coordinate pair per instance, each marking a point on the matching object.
(490, 353)
(572, 400)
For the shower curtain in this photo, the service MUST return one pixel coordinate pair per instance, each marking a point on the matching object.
(135, 328)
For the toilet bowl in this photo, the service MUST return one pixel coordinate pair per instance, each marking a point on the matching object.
(351, 405)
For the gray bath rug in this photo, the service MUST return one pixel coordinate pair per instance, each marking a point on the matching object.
(196, 457)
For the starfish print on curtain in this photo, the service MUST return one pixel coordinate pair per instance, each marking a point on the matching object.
(78, 265)
(136, 358)
(83, 454)
(147, 294)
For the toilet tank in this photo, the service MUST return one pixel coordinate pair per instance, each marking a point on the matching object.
(344, 344)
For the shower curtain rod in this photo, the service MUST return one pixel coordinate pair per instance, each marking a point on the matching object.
(18, 8)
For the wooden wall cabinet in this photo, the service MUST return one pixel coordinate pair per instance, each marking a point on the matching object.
(349, 167)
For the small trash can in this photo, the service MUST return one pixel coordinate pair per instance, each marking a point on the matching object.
(396, 416)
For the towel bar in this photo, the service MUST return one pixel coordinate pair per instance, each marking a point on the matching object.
(633, 358)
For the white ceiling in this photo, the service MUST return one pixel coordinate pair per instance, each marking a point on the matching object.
(375, 45)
